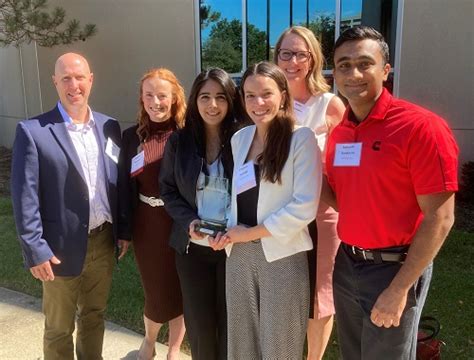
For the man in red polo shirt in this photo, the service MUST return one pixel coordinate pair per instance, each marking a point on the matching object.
(393, 168)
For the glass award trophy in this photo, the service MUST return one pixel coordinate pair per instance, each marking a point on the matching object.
(213, 204)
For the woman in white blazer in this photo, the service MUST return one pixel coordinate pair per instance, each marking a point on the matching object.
(275, 193)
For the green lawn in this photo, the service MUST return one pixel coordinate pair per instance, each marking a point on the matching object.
(451, 297)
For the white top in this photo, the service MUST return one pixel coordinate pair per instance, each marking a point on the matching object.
(285, 209)
(312, 114)
(87, 148)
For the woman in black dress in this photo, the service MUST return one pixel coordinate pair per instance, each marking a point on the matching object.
(143, 218)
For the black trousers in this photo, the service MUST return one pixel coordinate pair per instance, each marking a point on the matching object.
(357, 285)
(202, 276)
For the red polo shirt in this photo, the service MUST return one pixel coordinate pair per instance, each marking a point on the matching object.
(406, 151)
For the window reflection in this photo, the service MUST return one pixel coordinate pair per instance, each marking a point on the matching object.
(300, 12)
(279, 21)
(221, 34)
(322, 21)
(351, 13)
(380, 15)
(221, 26)
(257, 41)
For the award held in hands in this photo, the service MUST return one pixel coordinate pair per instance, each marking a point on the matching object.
(213, 200)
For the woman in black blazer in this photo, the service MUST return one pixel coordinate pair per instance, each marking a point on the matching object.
(196, 157)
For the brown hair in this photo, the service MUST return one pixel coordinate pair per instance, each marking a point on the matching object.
(280, 130)
(178, 109)
(315, 80)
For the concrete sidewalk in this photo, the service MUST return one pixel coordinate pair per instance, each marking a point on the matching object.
(21, 332)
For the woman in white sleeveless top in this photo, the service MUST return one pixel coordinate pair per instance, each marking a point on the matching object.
(298, 53)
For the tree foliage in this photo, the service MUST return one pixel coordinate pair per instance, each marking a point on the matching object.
(466, 189)
(223, 48)
(324, 27)
(256, 45)
(207, 15)
(24, 21)
(218, 52)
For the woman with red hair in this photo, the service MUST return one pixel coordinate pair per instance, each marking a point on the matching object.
(142, 217)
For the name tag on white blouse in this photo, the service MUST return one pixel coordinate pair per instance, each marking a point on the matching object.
(112, 150)
(348, 154)
(245, 178)
(301, 110)
(138, 162)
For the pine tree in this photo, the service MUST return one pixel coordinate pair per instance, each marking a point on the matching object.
(24, 21)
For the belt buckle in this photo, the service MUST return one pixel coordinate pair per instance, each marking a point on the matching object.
(354, 248)
(97, 229)
(154, 201)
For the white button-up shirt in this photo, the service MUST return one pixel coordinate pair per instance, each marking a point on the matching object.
(86, 143)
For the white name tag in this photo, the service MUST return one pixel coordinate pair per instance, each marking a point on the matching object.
(301, 111)
(112, 150)
(348, 154)
(245, 177)
(138, 162)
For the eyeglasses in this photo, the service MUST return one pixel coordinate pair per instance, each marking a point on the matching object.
(287, 55)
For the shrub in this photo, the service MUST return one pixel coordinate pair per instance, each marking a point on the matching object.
(466, 188)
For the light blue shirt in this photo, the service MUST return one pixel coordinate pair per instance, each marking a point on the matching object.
(86, 143)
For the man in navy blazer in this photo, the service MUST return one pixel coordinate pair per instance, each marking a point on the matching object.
(64, 193)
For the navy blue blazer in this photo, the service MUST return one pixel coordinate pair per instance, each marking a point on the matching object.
(49, 193)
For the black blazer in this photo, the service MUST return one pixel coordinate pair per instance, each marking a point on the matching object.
(179, 173)
(127, 186)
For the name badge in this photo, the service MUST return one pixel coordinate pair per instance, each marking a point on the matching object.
(301, 111)
(245, 179)
(112, 150)
(348, 154)
(138, 163)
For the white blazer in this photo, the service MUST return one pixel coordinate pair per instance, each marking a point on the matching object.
(285, 209)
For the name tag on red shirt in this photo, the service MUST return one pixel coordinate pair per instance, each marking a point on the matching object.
(347, 154)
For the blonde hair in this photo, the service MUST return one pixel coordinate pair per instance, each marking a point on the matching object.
(315, 80)
(178, 109)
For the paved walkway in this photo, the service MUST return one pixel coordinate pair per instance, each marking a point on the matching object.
(21, 332)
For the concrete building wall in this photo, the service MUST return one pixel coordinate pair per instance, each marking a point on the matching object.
(19, 95)
(133, 36)
(437, 63)
(11, 95)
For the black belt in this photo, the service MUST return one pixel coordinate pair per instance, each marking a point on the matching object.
(98, 229)
(397, 254)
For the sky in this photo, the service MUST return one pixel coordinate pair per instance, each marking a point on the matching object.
(279, 12)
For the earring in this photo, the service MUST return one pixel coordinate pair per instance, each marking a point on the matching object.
(281, 106)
